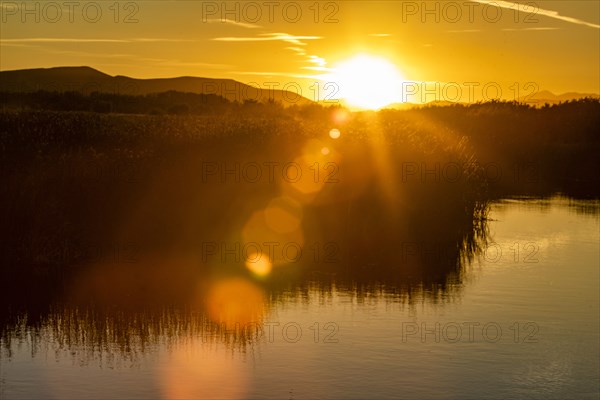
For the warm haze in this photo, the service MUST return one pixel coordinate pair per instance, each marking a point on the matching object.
(444, 51)
(300, 199)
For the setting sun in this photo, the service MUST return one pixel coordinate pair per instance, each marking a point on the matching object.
(368, 82)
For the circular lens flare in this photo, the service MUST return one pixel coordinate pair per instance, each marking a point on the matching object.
(259, 264)
(283, 215)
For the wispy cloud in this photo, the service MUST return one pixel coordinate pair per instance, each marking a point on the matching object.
(538, 11)
(464, 31)
(158, 62)
(281, 74)
(177, 63)
(94, 40)
(61, 40)
(297, 50)
(380, 34)
(322, 69)
(530, 29)
(161, 40)
(265, 37)
(236, 23)
(88, 54)
(317, 60)
(299, 44)
(16, 44)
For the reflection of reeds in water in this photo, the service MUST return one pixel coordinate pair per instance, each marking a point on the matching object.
(93, 333)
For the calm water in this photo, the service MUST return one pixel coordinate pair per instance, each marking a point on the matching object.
(522, 322)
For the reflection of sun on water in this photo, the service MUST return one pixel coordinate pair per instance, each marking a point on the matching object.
(196, 372)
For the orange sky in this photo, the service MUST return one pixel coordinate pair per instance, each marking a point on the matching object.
(549, 45)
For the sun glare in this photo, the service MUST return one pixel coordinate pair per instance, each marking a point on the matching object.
(367, 82)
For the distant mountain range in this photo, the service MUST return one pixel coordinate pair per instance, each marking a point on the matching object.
(537, 100)
(88, 80)
(407, 105)
(542, 97)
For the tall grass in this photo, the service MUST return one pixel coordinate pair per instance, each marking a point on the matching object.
(110, 194)
(77, 183)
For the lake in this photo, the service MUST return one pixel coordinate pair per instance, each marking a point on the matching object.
(521, 321)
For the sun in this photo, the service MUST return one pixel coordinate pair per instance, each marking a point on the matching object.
(367, 82)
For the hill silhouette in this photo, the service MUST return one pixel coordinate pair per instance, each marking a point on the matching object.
(546, 97)
(87, 80)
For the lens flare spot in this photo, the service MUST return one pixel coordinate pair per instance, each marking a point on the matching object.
(340, 116)
(325, 151)
(259, 264)
(334, 133)
(312, 180)
(235, 302)
(257, 232)
(283, 215)
(311, 154)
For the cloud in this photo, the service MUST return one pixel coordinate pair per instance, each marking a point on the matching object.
(236, 23)
(61, 40)
(317, 60)
(380, 34)
(529, 9)
(177, 63)
(16, 44)
(283, 74)
(265, 37)
(322, 69)
(298, 47)
(95, 40)
(160, 40)
(88, 54)
(158, 62)
(530, 29)
(297, 50)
